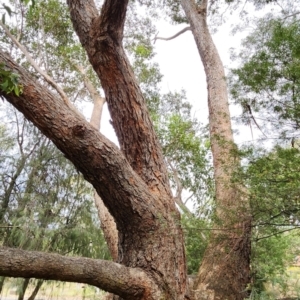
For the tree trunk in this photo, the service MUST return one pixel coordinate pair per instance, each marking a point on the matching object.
(225, 271)
(23, 288)
(107, 222)
(132, 183)
(2, 279)
(36, 289)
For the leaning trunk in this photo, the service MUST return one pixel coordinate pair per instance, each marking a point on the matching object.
(224, 272)
(107, 222)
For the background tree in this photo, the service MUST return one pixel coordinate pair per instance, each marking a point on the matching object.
(266, 85)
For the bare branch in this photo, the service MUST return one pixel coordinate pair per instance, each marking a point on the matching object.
(107, 275)
(178, 198)
(174, 36)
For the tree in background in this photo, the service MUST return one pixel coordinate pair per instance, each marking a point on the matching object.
(35, 216)
(266, 85)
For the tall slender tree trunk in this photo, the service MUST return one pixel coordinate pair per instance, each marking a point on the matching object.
(107, 222)
(225, 269)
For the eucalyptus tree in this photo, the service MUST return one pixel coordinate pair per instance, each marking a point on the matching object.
(266, 84)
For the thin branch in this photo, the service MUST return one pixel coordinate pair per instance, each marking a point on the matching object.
(179, 189)
(36, 67)
(291, 15)
(174, 36)
(252, 117)
(274, 234)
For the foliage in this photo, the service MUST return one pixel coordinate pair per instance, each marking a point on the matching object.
(196, 239)
(274, 187)
(10, 82)
(267, 85)
(271, 262)
(45, 204)
(273, 181)
(186, 148)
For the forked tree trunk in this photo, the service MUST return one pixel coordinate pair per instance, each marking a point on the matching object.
(132, 182)
(225, 269)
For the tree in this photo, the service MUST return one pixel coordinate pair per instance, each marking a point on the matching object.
(133, 181)
(266, 85)
(65, 222)
(225, 269)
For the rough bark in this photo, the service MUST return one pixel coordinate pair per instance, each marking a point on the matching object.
(101, 36)
(150, 236)
(224, 272)
(127, 282)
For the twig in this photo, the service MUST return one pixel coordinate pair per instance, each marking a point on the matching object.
(174, 36)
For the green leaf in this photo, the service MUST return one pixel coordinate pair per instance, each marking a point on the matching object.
(8, 9)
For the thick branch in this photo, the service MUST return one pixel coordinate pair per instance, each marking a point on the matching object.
(84, 12)
(126, 104)
(109, 276)
(100, 161)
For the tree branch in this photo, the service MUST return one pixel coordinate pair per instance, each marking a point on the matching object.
(100, 161)
(174, 36)
(126, 282)
(84, 12)
(127, 106)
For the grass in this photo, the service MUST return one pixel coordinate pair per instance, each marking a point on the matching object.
(54, 291)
